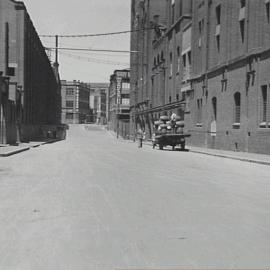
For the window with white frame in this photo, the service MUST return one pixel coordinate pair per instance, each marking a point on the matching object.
(69, 103)
(237, 109)
(264, 111)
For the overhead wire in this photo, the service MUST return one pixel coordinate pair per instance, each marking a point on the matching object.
(95, 60)
(90, 50)
(98, 34)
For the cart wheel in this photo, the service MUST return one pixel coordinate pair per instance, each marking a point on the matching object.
(160, 147)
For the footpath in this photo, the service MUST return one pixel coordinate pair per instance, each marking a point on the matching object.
(9, 150)
(242, 156)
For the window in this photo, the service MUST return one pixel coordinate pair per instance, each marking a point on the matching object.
(70, 92)
(125, 86)
(218, 14)
(189, 58)
(178, 59)
(69, 103)
(125, 101)
(199, 112)
(170, 99)
(264, 105)
(162, 56)
(177, 97)
(173, 10)
(181, 8)
(184, 60)
(237, 109)
(218, 42)
(214, 105)
(242, 3)
(201, 26)
(267, 6)
(242, 30)
(69, 116)
(171, 65)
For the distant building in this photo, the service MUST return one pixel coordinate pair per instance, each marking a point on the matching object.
(119, 102)
(98, 102)
(75, 102)
(30, 97)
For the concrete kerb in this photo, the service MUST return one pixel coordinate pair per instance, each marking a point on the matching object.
(250, 160)
(206, 152)
(13, 152)
(24, 147)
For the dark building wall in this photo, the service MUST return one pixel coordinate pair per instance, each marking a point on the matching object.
(36, 87)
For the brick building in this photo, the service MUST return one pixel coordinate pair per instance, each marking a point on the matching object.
(98, 102)
(119, 102)
(211, 59)
(32, 100)
(75, 102)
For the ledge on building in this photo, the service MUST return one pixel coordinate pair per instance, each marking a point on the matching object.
(264, 125)
(236, 125)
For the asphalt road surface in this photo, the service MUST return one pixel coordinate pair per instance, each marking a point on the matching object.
(95, 202)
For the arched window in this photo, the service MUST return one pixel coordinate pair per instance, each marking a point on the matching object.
(237, 107)
(214, 105)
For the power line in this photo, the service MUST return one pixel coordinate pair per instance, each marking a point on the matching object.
(90, 50)
(97, 35)
(95, 60)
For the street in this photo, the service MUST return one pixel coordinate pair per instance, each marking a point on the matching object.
(95, 202)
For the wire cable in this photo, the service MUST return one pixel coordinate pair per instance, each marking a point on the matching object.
(95, 60)
(97, 35)
(90, 50)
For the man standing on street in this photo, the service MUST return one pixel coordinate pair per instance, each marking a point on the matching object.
(140, 135)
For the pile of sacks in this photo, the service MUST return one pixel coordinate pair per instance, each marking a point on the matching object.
(167, 125)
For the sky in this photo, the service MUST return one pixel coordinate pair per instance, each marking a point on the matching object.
(73, 17)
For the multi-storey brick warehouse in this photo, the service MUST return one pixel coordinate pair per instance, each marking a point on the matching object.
(216, 60)
(34, 97)
(75, 102)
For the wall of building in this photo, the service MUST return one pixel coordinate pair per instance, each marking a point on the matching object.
(119, 103)
(240, 63)
(98, 102)
(34, 90)
(227, 43)
(75, 102)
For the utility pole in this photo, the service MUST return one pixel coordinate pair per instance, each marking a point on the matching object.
(56, 50)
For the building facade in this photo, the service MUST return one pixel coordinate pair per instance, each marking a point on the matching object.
(98, 102)
(119, 102)
(31, 97)
(209, 62)
(75, 102)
